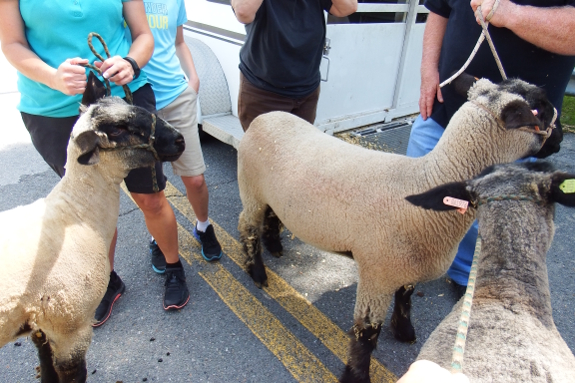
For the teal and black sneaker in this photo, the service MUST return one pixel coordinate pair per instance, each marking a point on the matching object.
(211, 249)
(158, 259)
(176, 293)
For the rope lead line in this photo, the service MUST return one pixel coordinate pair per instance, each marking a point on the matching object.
(127, 91)
(484, 34)
(459, 346)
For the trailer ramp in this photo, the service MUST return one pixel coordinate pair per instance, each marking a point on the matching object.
(214, 103)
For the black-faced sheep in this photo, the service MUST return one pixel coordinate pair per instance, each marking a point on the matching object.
(511, 336)
(54, 266)
(344, 198)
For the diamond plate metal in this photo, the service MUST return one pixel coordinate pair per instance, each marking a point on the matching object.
(391, 137)
(225, 128)
(214, 95)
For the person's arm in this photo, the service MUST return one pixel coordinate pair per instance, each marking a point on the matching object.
(69, 78)
(550, 28)
(116, 68)
(343, 8)
(186, 60)
(424, 371)
(432, 41)
(246, 10)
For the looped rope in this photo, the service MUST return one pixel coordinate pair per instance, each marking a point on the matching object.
(484, 34)
(150, 145)
(127, 91)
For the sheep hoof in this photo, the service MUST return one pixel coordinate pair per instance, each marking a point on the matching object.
(260, 285)
(403, 331)
(350, 377)
(259, 276)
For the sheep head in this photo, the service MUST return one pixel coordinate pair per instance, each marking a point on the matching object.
(517, 104)
(530, 181)
(109, 124)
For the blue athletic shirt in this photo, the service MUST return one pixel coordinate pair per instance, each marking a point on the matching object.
(57, 30)
(163, 70)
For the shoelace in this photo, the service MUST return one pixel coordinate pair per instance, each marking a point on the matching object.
(172, 279)
(207, 240)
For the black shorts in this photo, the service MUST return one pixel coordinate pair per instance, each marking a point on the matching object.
(50, 138)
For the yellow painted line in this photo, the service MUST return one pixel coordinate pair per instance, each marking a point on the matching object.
(297, 359)
(331, 335)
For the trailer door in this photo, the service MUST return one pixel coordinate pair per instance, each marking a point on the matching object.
(370, 69)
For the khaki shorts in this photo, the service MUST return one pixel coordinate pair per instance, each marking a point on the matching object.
(182, 115)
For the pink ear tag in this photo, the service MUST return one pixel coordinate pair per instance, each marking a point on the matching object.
(460, 204)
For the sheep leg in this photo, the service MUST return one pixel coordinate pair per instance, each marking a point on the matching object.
(271, 235)
(69, 352)
(401, 326)
(250, 239)
(73, 370)
(47, 371)
(363, 341)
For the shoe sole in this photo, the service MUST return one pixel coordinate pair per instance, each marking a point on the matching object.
(212, 258)
(209, 259)
(176, 307)
(98, 324)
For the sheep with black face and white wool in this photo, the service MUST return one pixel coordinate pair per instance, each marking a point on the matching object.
(344, 198)
(511, 336)
(54, 266)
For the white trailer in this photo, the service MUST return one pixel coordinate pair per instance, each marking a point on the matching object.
(370, 69)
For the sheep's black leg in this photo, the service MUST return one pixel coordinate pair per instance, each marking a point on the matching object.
(250, 239)
(73, 371)
(363, 342)
(271, 235)
(47, 372)
(401, 326)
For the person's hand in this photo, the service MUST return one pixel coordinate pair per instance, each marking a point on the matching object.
(70, 77)
(116, 69)
(424, 371)
(497, 8)
(429, 88)
(195, 84)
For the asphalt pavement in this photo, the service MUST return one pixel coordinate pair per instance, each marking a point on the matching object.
(231, 331)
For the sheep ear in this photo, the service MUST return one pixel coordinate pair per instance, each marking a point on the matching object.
(463, 83)
(89, 150)
(95, 90)
(563, 189)
(433, 199)
(517, 114)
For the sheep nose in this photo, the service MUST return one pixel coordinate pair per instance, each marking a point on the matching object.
(181, 143)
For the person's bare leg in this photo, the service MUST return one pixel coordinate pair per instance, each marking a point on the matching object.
(197, 193)
(161, 222)
(112, 250)
(115, 288)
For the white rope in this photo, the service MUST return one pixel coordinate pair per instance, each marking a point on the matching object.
(461, 337)
(484, 34)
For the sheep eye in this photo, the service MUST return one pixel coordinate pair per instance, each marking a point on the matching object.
(116, 131)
